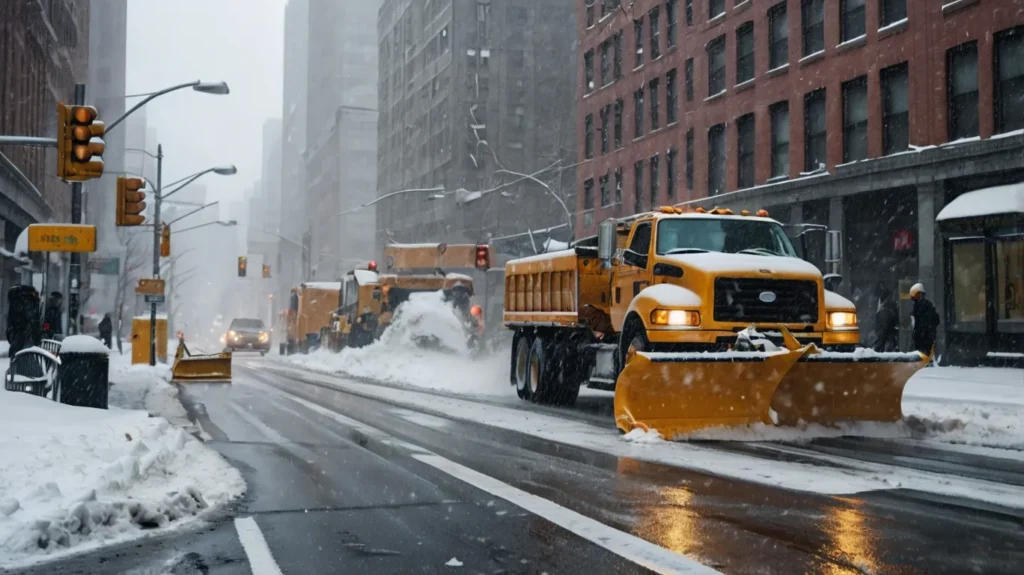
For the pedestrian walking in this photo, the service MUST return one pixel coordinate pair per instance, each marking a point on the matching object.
(52, 315)
(106, 328)
(925, 320)
(887, 321)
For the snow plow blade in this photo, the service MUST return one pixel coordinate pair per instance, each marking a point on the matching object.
(829, 388)
(678, 393)
(188, 368)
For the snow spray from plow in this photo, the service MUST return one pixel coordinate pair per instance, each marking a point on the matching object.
(679, 393)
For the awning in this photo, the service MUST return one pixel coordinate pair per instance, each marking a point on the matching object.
(997, 201)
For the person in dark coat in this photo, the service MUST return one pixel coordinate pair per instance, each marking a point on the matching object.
(887, 321)
(106, 328)
(23, 328)
(925, 320)
(52, 315)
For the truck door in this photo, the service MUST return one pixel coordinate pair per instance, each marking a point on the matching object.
(631, 276)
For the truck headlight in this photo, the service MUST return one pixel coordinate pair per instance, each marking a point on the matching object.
(675, 317)
(842, 319)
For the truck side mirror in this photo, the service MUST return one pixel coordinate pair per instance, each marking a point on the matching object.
(833, 246)
(606, 240)
(832, 281)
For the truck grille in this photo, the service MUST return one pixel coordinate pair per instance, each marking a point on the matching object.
(740, 300)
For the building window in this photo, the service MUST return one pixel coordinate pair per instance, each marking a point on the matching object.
(813, 18)
(745, 151)
(638, 113)
(606, 62)
(638, 187)
(716, 66)
(672, 22)
(617, 50)
(638, 38)
(715, 8)
(671, 97)
(716, 159)
(618, 186)
(962, 78)
(520, 117)
(608, 6)
(655, 179)
(855, 119)
(617, 130)
(969, 300)
(780, 139)
(590, 13)
(588, 144)
(1009, 266)
(851, 23)
(605, 113)
(655, 85)
(778, 36)
(814, 130)
(671, 169)
(689, 159)
(606, 195)
(588, 70)
(588, 194)
(689, 12)
(689, 79)
(895, 109)
(745, 53)
(655, 23)
(891, 11)
(1009, 80)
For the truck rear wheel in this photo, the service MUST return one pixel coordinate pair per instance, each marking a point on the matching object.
(521, 365)
(541, 376)
(566, 387)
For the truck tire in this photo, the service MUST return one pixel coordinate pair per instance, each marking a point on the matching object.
(543, 374)
(633, 335)
(570, 376)
(521, 365)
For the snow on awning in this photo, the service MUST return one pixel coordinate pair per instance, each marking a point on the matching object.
(997, 201)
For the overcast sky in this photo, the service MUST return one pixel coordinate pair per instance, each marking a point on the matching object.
(237, 41)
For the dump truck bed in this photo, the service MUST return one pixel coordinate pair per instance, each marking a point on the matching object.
(543, 290)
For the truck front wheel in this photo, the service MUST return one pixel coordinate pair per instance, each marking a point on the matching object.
(634, 339)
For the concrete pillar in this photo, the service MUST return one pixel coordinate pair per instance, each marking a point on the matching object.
(930, 266)
(796, 214)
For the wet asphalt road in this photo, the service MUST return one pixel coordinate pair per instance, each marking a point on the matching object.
(331, 496)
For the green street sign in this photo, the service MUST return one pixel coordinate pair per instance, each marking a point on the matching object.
(105, 266)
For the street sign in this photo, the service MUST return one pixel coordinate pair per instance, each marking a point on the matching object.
(150, 287)
(154, 298)
(61, 238)
(105, 266)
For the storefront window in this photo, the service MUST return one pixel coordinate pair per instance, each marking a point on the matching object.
(1010, 278)
(969, 282)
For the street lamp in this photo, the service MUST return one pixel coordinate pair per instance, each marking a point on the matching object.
(215, 88)
(225, 170)
(226, 224)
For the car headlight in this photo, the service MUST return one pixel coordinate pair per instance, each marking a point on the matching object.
(842, 319)
(231, 333)
(264, 336)
(675, 317)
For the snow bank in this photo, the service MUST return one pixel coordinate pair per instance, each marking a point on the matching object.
(74, 479)
(83, 344)
(401, 358)
(148, 389)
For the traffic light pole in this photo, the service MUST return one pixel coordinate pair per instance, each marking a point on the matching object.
(156, 248)
(75, 269)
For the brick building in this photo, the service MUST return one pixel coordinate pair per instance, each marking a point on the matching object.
(865, 115)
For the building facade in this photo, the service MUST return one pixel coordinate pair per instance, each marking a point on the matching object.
(866, 117)
(294, 260)
(341, 138)
(475, 97)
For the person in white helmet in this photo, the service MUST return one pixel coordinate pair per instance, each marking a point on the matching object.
(925, 320)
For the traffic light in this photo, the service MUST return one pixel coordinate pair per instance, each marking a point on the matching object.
(483, 257)
(266, 271)
(79, 143)
(242, 262)
(165, 241)
(130, 202)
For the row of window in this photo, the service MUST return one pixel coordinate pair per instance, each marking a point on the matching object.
(609, 185)
(611, 132)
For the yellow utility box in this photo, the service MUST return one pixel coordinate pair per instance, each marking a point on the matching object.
(140, 339)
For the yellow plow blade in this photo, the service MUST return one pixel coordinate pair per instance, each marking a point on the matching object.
(678, 393)
(212, 368)
(828, 388)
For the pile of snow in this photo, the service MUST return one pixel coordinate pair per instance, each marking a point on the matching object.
(641, 436)
(83, 344)
(401, 358)
(74, 479)
(146, 388)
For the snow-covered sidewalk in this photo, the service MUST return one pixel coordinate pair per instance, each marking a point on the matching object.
(74, 479)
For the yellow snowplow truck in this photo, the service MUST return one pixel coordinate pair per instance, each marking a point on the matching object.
(695, 320)
(309, 310)
(355, 322)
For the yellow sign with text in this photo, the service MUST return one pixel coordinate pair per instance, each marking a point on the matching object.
(150, 287)
(61, 238)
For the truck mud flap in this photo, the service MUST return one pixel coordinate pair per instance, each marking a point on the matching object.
(829, 388)
(679, 393)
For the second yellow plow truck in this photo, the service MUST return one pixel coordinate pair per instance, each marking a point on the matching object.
(696, 320)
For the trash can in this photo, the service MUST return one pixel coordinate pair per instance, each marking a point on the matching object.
(83, 378)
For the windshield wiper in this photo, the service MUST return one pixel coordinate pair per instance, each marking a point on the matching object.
(759, 252)
(677, 251)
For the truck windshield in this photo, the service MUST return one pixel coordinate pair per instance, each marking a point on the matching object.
(727, 235)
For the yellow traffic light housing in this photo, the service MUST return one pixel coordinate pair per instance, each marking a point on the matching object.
(242, 262)
(165, 241)
(79, 143)
(130, 202)
(266, 271)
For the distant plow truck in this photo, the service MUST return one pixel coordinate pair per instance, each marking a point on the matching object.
(695, 319)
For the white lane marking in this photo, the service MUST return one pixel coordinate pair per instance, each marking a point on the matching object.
(261, 560)
(629, 547)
